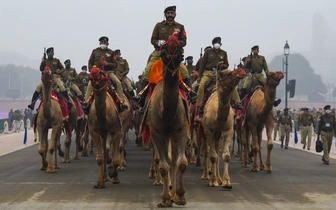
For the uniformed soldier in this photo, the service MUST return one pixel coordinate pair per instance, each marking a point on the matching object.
(70, 77)
(285, 125)
(123, 69)
(138, 84)
(213, 60)
(306, 123)
(161, 32)
(326, 128)
(276, 128)
(57, 68)
(189, 64)
(109, 65)
(255, 64)
(83, 78)
(198, 64)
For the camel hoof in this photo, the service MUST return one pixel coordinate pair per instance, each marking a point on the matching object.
(181, 201)
(268, 169)
(98, 186)
(227, 186)
(56, 167)
(213, 184)
(51, 170)
(76, 158)
(115, 181)
(121, 168)
(42, 168)
(245, 165)
(192, 160)
(158, 183)
(151, 174)
(204, 177)
(254, 169)
(165, 204)
(66, 161)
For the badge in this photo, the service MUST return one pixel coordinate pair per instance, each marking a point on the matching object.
(121, 63)
(327, 124)
(163, 29)
(221, 57)
(54, 63)
(108, 55)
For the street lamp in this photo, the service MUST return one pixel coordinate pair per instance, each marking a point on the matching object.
(286, 53)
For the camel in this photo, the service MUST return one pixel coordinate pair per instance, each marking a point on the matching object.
(50, 116)
(259, 114)
(104, 121)
(168, 121)
(218, 119)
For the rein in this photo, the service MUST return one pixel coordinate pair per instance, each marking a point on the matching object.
(175, 70)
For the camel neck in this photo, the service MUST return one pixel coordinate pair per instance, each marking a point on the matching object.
(46, 99)
(268, 100)
(223, 104)
(100, 105)
(170, 94)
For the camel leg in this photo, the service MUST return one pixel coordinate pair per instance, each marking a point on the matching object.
(226, 157)
(233, 143)
(246, 143)
(205, 175)
(158, 178)
(85, 142)
(122, 153)
(259, 133)
(269, 128)
(193, 146)
(79, 133)
(178, 154)
(115, 156)
(160, 142)
(52, 146)
(67, 144)
(99, 158)
(213, 140)
(56, 166)
(42, 149)
(255, 147)
(152, 167)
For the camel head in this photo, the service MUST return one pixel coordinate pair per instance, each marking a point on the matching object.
(98, 78)
(273, 78)
(171, 52)
(47, 75)
(228, 79)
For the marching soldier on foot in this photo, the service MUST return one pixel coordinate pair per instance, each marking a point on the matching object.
(57, 68)
(285, 124)
(306, 123)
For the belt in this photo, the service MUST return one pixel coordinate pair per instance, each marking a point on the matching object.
(213, 69)
(327, 131)
(307, 125)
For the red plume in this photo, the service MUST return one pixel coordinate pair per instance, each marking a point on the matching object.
(172, 43)
(95, 73)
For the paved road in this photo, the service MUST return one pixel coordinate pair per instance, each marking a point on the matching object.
(299, 181)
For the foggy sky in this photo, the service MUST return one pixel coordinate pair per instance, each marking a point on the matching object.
(73, 27)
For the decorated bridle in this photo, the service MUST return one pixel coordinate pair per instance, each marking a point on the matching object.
(99, 78)
(47, 70)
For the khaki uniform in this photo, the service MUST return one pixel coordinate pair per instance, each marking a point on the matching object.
(123, 68)
(208, 67)
(285, 124)
(112, 64)
(198, 64)
(70, 77)
(275, 129)
(326, 128)
(191, 69)
(306, 123)
(256, 67)
(83, 78)
(162, 31)
(54, 64)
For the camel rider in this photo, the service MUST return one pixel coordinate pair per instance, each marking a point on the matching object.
(189, 65)
(122, 70)
(198, 64)
(70, 77)
(213, 60)
(138, 84)
(161, 32)
(256, 64)
(109, 65)
(57, 68)
(83, 77)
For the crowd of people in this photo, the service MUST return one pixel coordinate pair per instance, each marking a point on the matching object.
(20, 114)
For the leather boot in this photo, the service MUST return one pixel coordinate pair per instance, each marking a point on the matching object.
(141, 99)
(81, 98)
(192, 95)
(34, 99)
(243, 93)
(66, 97)
(282, 141)
(277, 101)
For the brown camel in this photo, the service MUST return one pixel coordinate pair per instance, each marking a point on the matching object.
(50, 116)
(103, 121)
(218, 119)
(258, 115)
(167, 118)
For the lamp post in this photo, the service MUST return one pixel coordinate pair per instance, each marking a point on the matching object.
(286, 53)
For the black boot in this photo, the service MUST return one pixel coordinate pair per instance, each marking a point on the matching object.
(81, 98)
(282, 141)
(192, 96)
(277, 101)
(34, 99)
(141, 99)
(243, 92)
(239, 106)
(86, 108)
(66, 96)
(122, 107)
(131, 93)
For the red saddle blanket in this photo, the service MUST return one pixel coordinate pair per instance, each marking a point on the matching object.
(80, 112)
(62, 103)
(242, 113)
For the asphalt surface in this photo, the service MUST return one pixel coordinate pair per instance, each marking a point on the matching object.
(299, 181)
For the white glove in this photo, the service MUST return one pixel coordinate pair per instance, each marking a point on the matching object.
(161, 42)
